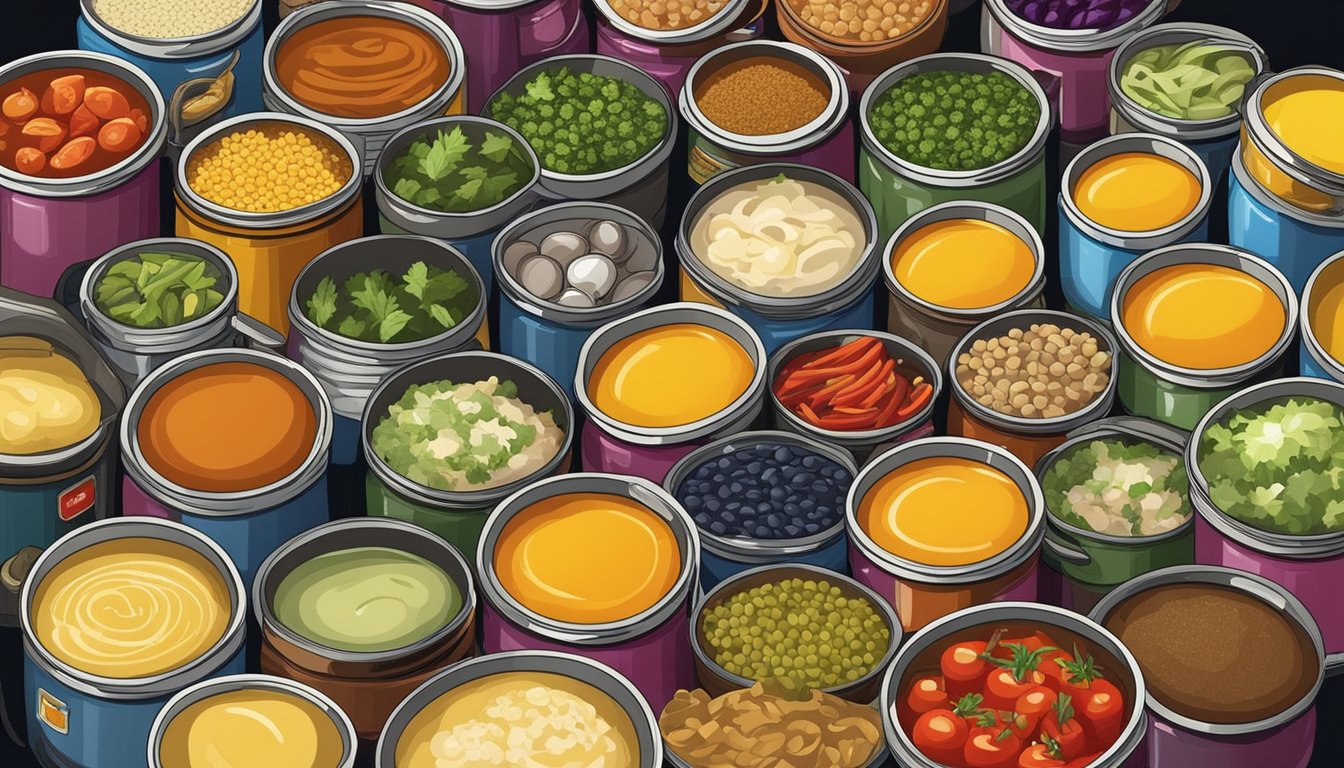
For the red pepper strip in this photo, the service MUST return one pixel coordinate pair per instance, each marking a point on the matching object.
(791, 398)
(883, 390)
(858, 366)
(854, 411)
(918, 397)
(841, 354)
(847, 421)
(823, 396)
(808, 413)
(864, 386)
(901, 392)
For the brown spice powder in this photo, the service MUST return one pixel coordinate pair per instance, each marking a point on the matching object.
(761, 97)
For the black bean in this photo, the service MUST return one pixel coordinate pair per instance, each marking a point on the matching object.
(765, 508)
(792, 530)
(778, 494)
(755, 468)
(724, 492)
(739, 472)
(712, 504)
(773, 520)
(693, 503)
(725, 462)
(812, 528)
(718, 527)
(783, 455)
(807, 504)
(736, 487)
(770, 475)
(820, 486)
(762, 532)
(811, 462)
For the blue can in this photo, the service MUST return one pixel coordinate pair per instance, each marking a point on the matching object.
(780, 319)
(722, 557)
(249, 524)
(183, 67)
(1092, 256)
(1320, 310)
(91, 720)
(549, 334)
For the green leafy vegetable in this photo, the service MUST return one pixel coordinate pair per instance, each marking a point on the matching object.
(375, 306)
(452, 172)
(1279, 465)
(158, 290)
(1118, 487)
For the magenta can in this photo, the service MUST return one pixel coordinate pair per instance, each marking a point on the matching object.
(922, 593)
(501, 37)
(653, 647)
(827, 142)
(48, 226)
(1073, 64)
(611, 445)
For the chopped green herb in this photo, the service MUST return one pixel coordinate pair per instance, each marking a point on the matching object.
(158, 290)
(450, 173)
(375, 306)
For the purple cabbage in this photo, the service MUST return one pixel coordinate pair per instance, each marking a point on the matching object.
(1099, 15)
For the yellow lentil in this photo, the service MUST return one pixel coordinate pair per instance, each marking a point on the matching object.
(268, 169)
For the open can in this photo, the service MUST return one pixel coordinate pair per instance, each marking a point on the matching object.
(610, 445)
(898, 189)
(549, 335)
(281, 689)
(923, 593)
(76, 718)
(367, 685)
(640, 186)
(1320, 310)
(863, 61)
(270, 249)
(457, 516)
(53, 225)
(652, 648)
(826, 142)
(1092, 256)
(248, 524)
(1182, 396)
(368, 134)
(782, 319)
(135, 352)
(587, 672)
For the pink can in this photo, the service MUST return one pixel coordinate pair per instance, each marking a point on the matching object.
(611, 445)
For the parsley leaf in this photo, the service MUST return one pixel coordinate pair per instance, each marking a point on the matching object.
(445, 154)
(496, 146)
(322, 304)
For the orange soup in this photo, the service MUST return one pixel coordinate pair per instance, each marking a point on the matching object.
(1136, 192)
(963, 263)
(587, 558)
(227, 427)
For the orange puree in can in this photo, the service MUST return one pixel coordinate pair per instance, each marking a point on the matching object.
(361, 66)
(587, 558)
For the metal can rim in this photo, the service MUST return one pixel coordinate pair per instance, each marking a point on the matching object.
(722, 21)
(1275, 150)
(1072, 40)
(171, 48)
(1309, 339)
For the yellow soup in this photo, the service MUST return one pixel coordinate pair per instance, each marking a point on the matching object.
(249, 728)
(1306, 112)
(587, 558)
(527, 718)
(671, 375)
(944, 511)
(1203, 316)
(1136, 192)
(1326, 310)
(963, 263)
(132, 607)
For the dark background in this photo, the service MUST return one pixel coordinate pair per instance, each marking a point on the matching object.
(1292, 32)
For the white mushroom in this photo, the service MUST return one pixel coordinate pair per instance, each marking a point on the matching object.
(541, 277)
(573, 297)
(594, 274)
(563, 247)
(514, 253)
(608, 237)
(630, 286)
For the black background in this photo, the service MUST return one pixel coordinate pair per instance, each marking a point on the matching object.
(1293, 33)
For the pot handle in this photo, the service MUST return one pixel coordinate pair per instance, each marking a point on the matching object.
(1334, 664)
(257, 334)
(1066, 553)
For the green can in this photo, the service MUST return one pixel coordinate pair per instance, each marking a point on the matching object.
(899, 188)
(1180, 396)
(1090, 563)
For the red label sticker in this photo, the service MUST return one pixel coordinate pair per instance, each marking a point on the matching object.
(77, 499)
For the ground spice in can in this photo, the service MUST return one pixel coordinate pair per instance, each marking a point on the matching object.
(761, 97)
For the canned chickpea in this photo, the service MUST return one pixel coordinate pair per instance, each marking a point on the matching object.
(863, 20)
(269, 168)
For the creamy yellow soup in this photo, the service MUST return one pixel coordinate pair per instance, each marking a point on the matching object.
(131, 607)
(1136, 192)
(249, 728)
(963, 263)
(670, 375)
(1203, 316)
(1306, 112)
(944, 511)
(1325, 311)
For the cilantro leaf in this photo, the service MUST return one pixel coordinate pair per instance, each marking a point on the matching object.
(322, 304)
(392, 323)
(406, 188)
(469, 190)
(447, 151)
(496, 146)
(496, 188)
(416, 279)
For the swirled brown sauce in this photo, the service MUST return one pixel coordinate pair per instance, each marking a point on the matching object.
(361, 66)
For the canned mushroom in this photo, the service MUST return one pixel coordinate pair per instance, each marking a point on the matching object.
(629, 606)
(943, 523)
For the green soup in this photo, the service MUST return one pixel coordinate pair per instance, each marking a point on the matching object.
(367, 599)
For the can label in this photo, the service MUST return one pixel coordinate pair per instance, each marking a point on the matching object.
(702, 164)
(53, 712)
(77, 499)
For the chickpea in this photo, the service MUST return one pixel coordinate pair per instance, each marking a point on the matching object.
(1042, 371)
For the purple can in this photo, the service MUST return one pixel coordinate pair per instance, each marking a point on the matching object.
(611, 445)
(1283, 740)
(922, 593)
(1073, 64)
(825, 142)
(50, 225)
(1311, 567)
(653, 647)
(501, 37)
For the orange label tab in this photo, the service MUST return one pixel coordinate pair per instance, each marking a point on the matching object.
(53, 712)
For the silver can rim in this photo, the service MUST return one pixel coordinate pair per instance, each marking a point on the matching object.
(1254, 585)
(1018, 162)
(388, 527)
(853, 289)
(226, 504)
(1309, 339)
(646, 494)
(1015, 555)
(1253, 189)
(740, 411)
(1274, 149)
(722, 21)
(191, 46)
(1216, 255)
(147, 687)
(121, 171)
(1072, 40)
(1267, 542)
(1144, 143)
(206, 689)
(904, 748)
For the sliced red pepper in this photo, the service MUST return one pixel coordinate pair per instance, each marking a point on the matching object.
(841, 354)
(808, 413)
(918, 397)
(822, 396)
(842, 422)
(863, 386)
(857, 367)
(879, 393)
